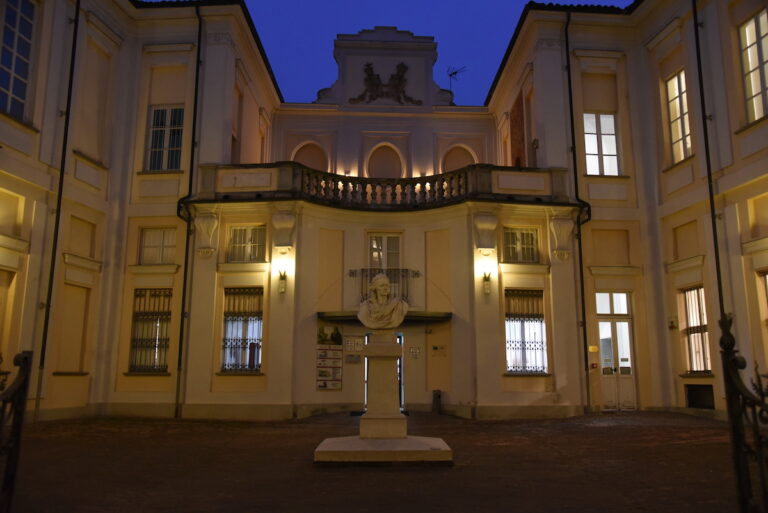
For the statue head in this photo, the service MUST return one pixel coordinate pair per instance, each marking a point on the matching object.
(379, 285)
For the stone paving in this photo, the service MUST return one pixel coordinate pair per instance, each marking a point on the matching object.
(636, 462)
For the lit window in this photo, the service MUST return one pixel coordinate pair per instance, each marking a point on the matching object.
(679, 124)
(241, 347)
(149, 332)
(247, 244)
(521, 246)
(600, 144)
(16, 55)
(614, 334)
(526, 344)
(166, 126)
(158, 246)
(753, 36)
(695, 331)
(383, 251)
(611, 303)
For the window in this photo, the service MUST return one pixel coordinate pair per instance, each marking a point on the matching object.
(241, 347)
(149, 333)
(158, 246)
(247, 244)
(521, 246)
(600, 144)
(695, 331)
(15, 56)
(525, 331)
(614, 332)
(166, 125)
(753, 37)
(680, 128)
(383, 251)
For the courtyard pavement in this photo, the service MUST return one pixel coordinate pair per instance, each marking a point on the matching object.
(628, 462)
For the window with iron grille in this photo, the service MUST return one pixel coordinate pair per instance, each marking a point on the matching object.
(241, 348)
(16, 55)
(753, 38)
(679, 124)
(521, 246)
(166, 124)
(149, 332)
(525, 331)
(601, 150)
(158, 246)
(695, 331)
(247, 244)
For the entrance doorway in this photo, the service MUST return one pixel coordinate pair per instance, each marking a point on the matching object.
(400, 386)
(616, 359)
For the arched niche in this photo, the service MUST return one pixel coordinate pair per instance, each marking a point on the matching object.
(457, 158)
(385, 162)
(312, 156)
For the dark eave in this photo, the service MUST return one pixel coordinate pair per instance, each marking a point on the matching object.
(142, 4)
(539, 6)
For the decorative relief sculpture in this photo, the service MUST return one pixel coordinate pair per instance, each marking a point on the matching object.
(206, 224)
(562, 229)
(380, 311)
(393, 89)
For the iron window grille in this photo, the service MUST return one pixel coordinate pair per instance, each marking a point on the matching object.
(695, 331)
(247, 244)
(753, 39)
(679, 124)
(16, 55)
(158, 246)
(526, 345)
(521, 246)
(602, 154)
(241, 347)
(165, 130)
(149, 333)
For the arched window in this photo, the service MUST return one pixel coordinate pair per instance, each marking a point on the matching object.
(456, 158)
(384, 162)
(313, 156)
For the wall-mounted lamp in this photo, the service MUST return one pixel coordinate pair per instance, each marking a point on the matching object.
(282, 282)
(672, 324)
(487, 283)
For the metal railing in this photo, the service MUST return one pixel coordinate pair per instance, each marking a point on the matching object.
(13, 402)
(399, 280)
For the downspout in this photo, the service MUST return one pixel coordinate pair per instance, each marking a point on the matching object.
(732, 399)
(57, 222)
(182, 211)
(585, 212)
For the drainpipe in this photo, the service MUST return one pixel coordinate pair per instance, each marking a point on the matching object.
(57, 222)
(732, 396)
(182, 211)
(585, 210)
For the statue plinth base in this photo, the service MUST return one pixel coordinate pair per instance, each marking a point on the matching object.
(383, 429)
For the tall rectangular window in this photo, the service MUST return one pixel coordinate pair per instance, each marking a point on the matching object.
(679, 124)
(695, 331)
(753, 37)
(158, 246)
(241, 347)
(149, 331)
(166, 126)
(525, 331)
(521, 246)
(600, 143)
(383, 251)
(247, 244)
(15, 55)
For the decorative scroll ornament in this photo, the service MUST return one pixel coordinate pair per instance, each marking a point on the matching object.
(381, 311)
(562, 228)
(283, 223)
(393, 89)
(205, 225)
(485, 224)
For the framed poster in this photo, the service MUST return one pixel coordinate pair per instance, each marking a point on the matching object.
(329, 367)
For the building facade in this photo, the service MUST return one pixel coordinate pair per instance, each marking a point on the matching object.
(214, 242)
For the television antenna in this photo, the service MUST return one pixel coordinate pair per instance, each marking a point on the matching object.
(453, 75)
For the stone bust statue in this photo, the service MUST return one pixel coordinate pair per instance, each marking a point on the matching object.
(379, 311)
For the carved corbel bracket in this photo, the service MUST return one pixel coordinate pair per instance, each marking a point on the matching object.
(283, 223)
(206, 224)
(562, 228)
(485, 224)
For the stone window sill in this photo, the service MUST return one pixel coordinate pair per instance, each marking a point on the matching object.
(145, 374)
(239, 373)
(527, 374)
(705, 374)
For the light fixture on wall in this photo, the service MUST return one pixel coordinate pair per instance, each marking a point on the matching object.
(282, 282)
(487, 283)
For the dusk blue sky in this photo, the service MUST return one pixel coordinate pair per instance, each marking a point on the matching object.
(298, 37)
